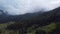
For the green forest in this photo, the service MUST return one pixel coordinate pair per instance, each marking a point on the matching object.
(44, 23)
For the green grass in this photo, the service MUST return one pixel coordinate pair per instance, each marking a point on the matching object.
(4, 25)
(47, 28)
(30, 30)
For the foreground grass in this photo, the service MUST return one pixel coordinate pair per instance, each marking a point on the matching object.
(30, 30)
(4, 25)
(47, 28)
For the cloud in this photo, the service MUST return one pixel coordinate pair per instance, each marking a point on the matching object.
(17, 7)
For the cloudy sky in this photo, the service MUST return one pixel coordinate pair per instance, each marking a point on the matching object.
(17, 7)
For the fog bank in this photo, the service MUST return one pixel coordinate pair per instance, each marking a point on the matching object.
(17, 7)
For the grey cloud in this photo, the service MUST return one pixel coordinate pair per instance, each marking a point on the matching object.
(17, 7)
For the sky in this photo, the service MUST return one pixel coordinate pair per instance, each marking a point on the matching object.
(18, 7)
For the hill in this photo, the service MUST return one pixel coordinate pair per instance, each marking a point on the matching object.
(39, 23)
(36, 21)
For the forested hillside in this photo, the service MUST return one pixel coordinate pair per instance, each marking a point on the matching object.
(43, 23)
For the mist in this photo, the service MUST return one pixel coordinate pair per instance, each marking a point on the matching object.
(18, 7)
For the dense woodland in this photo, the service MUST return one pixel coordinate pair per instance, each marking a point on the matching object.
(36, 23)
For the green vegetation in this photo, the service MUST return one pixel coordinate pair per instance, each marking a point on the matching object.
(47, 28)
(4, 25)
(30, 30)
(44, 23)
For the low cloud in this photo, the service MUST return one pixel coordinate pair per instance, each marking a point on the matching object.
(17, 7)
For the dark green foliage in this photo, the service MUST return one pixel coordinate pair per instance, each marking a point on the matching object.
(37, 24)
(40, 20)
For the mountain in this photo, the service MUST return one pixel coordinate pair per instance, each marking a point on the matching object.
(33, 21)
(41, 19)
(5, 17)
(41, 16)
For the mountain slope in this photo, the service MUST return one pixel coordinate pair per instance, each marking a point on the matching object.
(37, 21)
(5, 17)
(41, 19)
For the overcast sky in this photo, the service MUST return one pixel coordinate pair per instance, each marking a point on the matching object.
(17, 7)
